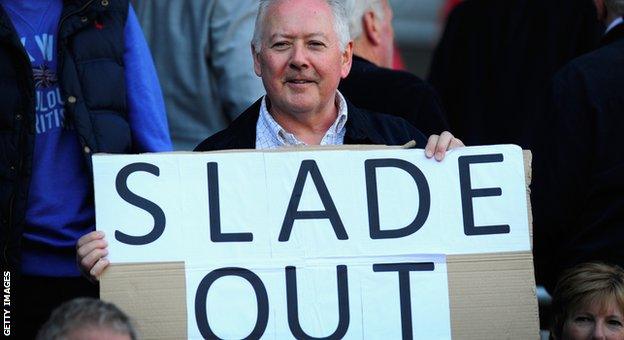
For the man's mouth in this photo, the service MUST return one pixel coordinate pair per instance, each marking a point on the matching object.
(299, 81)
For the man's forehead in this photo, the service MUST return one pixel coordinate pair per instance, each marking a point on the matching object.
(306, 4)
(290, 18)
(294, 10)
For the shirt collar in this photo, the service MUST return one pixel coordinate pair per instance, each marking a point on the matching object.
(283, 137)
(614, 23)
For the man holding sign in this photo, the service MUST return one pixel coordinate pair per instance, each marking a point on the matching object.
(312, 243)
(301, 50)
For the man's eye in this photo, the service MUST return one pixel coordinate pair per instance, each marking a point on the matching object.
(316, 44)
(614, 322)
(280, 45)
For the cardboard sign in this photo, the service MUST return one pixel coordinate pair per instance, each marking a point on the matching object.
(340, 243)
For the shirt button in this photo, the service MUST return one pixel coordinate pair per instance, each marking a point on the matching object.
(71, 99)
(104, 3)
(18, 117)
(87, 150)
(84, 19)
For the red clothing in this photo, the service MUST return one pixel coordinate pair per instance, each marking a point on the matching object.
(448, 7)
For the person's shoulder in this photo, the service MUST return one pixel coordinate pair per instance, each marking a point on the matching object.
(606, 62)
(218, 141)
(603, 57)
(240, 134)
(379, 76)
(387, 129)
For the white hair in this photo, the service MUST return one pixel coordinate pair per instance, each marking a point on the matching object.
(615, 6)
(341, 23)
(357, 9)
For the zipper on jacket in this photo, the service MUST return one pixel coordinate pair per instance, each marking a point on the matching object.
(59, 57)
(61, 45)
(75, 12)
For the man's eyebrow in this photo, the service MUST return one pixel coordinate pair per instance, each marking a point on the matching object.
(275, 36)
(316, 34)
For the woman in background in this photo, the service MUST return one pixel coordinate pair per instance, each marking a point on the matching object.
(588, 303)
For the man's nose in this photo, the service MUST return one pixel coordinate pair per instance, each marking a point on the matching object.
(298, 58)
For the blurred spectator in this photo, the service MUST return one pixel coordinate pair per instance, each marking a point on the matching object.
(371, 84)
(588, 303)
(578, 168)
(76, 79)
(87, 318)
(201, 51)
(495, 59)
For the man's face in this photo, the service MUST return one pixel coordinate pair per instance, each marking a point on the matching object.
(300, 61)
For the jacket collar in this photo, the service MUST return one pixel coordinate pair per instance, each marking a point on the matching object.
(358, 59)
(5, 22)
(360, 129)
(8, 32)
(244, 129)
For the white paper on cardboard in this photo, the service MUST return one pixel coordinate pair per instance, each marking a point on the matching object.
(257, 213)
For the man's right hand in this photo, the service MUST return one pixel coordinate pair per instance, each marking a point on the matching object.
(90, 254)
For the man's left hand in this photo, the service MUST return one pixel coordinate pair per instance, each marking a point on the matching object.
(438, 145)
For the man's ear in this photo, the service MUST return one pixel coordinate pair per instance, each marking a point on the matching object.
(371, 27)
(347, 59)
(256, 59)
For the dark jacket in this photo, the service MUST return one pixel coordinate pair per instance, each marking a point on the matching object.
(578, 168)
(495, 60)
(91, 78)
(362, 127)
(393, 92)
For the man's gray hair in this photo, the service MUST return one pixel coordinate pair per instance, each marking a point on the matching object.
(357, 9)
(341, 22)
(85, 313)
(615, 6)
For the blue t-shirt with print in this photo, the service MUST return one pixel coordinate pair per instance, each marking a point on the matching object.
(60, 205)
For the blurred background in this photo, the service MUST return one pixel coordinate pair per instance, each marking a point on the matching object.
(417, 27)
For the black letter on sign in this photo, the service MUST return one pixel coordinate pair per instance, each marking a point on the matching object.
(122, 189)
(404, 289)
(370, 167)
(293, 305)
(215, 210)
(262, 300)
(330, 212)
(467, 193)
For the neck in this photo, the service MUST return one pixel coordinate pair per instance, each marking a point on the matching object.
(309, 127)
(364, 50)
